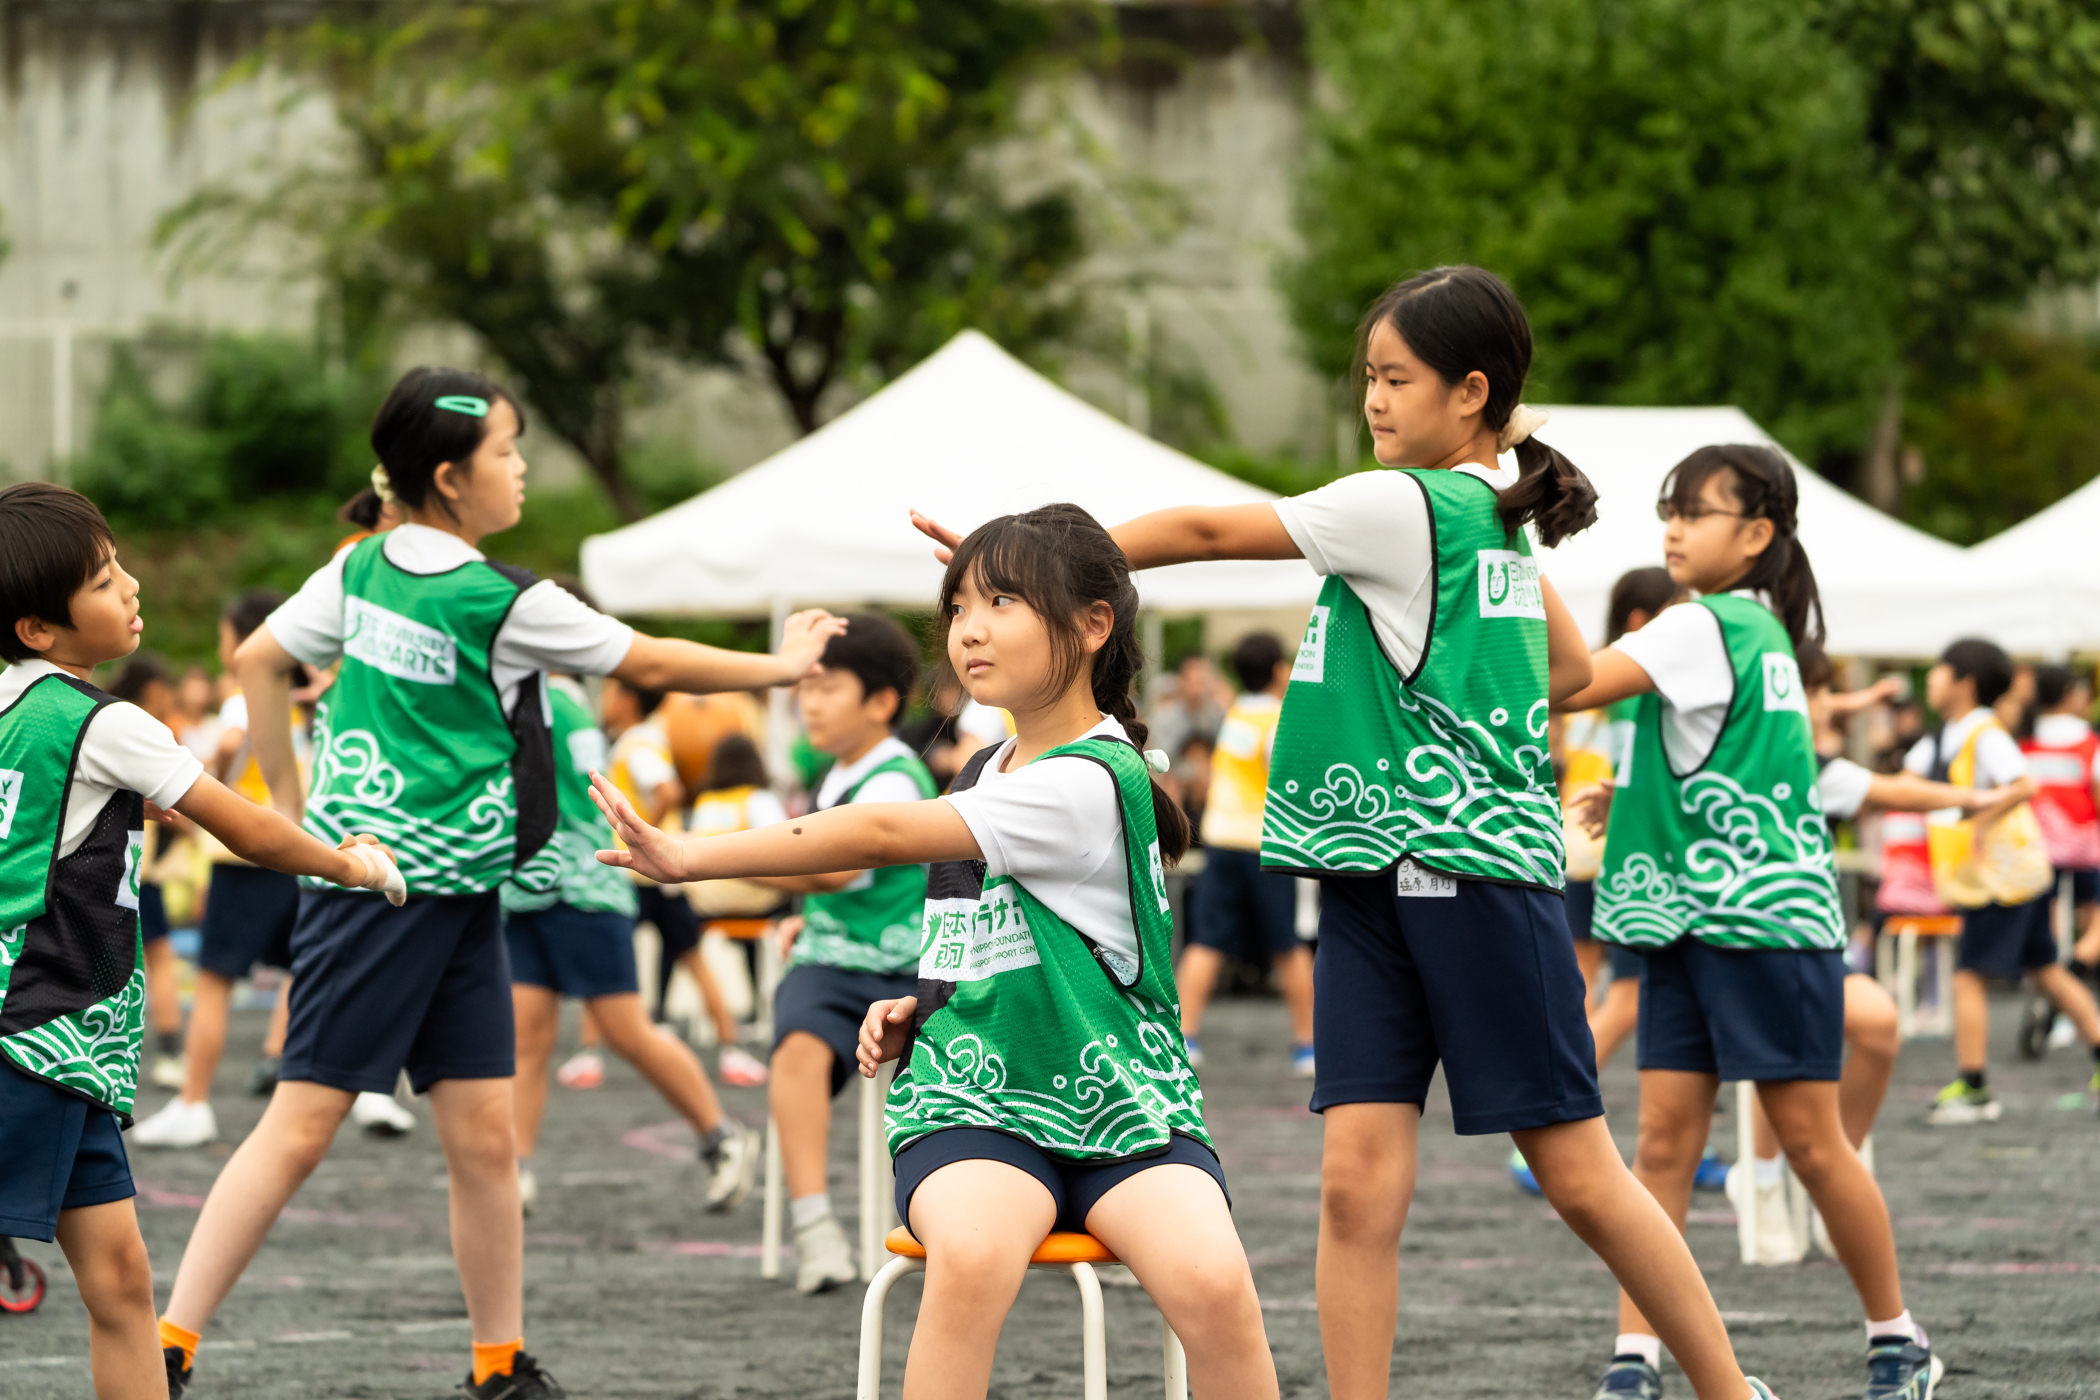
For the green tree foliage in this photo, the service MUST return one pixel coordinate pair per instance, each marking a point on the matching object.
(587, 183)
(1680, 192)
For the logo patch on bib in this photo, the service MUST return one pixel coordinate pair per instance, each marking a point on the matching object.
(1311, 665)
(400, 646)
(1509, 585)
(970, 940)
(134, 863)
(10, 797)
(1783, 684)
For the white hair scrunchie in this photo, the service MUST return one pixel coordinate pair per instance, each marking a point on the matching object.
(383, 485)
(1524, 420)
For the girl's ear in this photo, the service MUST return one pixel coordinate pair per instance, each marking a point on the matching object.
(1095, 625)
(1473, 393)
(1757, 535)
(447, 481)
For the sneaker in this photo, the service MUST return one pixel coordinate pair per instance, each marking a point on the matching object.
(178, 1374)
(169, 1071)
(2035, 1020)
(1192, 1051)
(1302, 1062)
(2063, 1035)
(526, 1381)
(1959, 1104)
(823, 1261)
(1758, 1389)
(1775, 1242)
(1712, 1174)
(1630, 1377)
(582, 1070)
(528, 1188)
(179, 1124)
(1901, 1369)
(262, 1080)
(380, 1116)
(739, 1067)
(735, 1171)
(1520, 1172)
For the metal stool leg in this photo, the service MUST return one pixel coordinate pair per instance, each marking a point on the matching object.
(775, 1206)
(1746, 1161)
(874, 1212)
(1093, 1336)
(870, 1384)
(1176, 1362)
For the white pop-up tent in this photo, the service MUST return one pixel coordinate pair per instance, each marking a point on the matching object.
(967, 434)
(2055, 554)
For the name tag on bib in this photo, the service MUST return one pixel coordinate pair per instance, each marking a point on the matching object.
(1419, 883)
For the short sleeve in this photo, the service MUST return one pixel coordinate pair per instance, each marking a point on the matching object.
(1919, 759)
(1683, 653)
(234, 713)
(126, 748)
(1998, 759)
(309, 624)
(550, 629)
(1370, 527)
(1843, 785)
(648, 765)
(1056, 819)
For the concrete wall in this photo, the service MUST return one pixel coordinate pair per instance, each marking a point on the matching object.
(113, 112)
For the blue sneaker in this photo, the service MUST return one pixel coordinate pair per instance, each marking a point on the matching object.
(1630, 1377)
(1712, 1174)
(1901, 1369)
(1520, 1172)
(1302, 1062)
(1190, 1048)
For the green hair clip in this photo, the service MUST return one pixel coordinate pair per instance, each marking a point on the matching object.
(464, 403)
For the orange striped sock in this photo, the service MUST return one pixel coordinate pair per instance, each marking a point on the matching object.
(495, 1358)
(173, 1336)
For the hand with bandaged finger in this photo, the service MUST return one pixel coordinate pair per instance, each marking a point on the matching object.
(373, 868)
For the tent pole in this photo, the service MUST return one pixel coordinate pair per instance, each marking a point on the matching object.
(779, 717)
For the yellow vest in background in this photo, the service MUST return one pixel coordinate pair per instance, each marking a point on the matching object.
(1239, 773)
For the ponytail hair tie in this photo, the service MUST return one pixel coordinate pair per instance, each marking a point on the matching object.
(1524, 420)
(383, 485)
(1157, 760)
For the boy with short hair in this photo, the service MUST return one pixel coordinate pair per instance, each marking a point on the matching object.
(2008, 942)
(858, 938)
(78, 769)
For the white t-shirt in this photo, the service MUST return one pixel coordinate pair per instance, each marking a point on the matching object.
(1843, 787)
(547, 629)
(1056, 826)
(1373, 529)
(1684, 654)
(1998, 758)
(645, 751)
(889, 787)
(124, 750)
(2060, 731)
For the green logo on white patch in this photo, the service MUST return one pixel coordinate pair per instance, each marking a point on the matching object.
(399, 646)
(10, 795)
(1311, 665)
(1783, 684)
(1509, 585)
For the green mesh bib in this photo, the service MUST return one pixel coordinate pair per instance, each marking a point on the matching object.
(567, 869)
(874, 928)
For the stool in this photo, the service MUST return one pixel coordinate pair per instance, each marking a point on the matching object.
(1076, 1254)
(878, 1206)
(769, 970)
(1896, 968)
(1797, 1202)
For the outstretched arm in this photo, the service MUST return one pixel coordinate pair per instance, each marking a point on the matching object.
(1568, 666)
(1613, 676)
(860, 836)
(1907, 792)
(264, 668)
(1188, 534)
(669, 663)
(264, 836)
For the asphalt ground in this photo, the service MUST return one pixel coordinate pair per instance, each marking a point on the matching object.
(633, 1291)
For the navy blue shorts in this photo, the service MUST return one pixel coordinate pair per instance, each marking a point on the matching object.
(1581, 897)
(675, 921)
(574, 952)
(2007, 941)
(153, 913)
(1765, 1015)
(830, 1003)
(248, 919)
(1482, 980)
(1076, 1186)
(1237, 907)
(1626, 964)
(57, 1152)
(376, 990)
(2085, 885)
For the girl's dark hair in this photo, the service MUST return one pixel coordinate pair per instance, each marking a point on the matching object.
(1817, 670)
(2053, 685)
(413, 436)
(1059, 560)
(1647, 590)
(142, 670)
(1459, 319)
(362, 510)
(250, 611)
(1762, 482)
(736, 763)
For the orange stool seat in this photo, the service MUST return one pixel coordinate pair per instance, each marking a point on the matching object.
(1060, 1247)
(1923, 925)
(744, 929)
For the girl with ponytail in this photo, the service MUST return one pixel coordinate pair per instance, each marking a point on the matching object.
(1410, 776)
(1043, 1084)
(1717, 867)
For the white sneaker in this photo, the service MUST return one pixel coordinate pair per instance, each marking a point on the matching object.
(1775, 1243)
(735, 1172)
(740, 1067)
(823, 1260)
(2063, 1035)
(528, 1188)
(380, 1116)
(178, 1125)
(169, 1071)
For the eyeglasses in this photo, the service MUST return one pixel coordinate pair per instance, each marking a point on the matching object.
(1691, 514)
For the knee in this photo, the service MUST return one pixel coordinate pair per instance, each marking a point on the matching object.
(1369, 1203)
(1665, 1143)
(1216, 1297)
(1872, 1030)
(974, 1266)
(1811, 1155)
(118, 1283)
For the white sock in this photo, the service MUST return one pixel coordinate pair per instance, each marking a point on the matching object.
(1769, 1171)
(1649, 1349)
(1898, 1326)
(806, 1211)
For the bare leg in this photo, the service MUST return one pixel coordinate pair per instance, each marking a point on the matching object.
(1804, 1112)
(108, 1258)
(1873, 1043)
(163, 996)
(669, 1065)
(1367, 1180)
(1196, 977)
(710, 996)
(1589, 956)
(280, 1017)
(473, 1118)
(1579, 1170)
(2086, 919)
(587, 1033)
(1972, 1023)
(1172, 1227)
(1294, 978)
(979, 1222)
(1615, 1018)
(2072, 997)
(207, 1038)
(537, 1011)
(799, 1091)
(1677, 1109)
(263, 1174)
